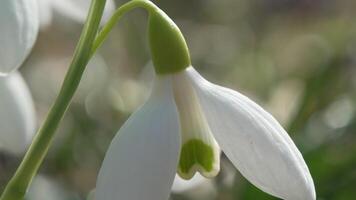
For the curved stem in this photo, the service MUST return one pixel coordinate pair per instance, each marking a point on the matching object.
(102, 35)
(17, 186)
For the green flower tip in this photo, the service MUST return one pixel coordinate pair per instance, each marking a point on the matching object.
(197, 156)
(169, 50)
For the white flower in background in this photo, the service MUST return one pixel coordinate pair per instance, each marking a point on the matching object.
(74, 9)
(17, 114)
(48, 188)
(20, 20)
(19, 27)
(175, 131)
(19, 24)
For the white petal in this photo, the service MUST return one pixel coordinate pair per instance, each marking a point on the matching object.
(200, 152)
(181, 185)
(19, 27)
(142, 159)
(78, 9)
(255, 142)
(17, 115)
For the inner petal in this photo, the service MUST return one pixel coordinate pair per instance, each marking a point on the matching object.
(199, 151)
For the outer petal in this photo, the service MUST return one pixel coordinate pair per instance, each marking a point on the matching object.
(78, 9)
(19, 27)
(17, 115)
(254, 141)
(142, 159)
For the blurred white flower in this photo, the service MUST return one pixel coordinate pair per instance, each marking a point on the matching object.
(19, 26)
(175, 131)
(74, 9)
(44, 187)
(339, 113)
(17, 114)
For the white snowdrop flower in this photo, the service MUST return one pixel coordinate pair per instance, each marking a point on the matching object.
(17, 114)
(76, 10)
(184, 125)
(143, 157)
(19, 27)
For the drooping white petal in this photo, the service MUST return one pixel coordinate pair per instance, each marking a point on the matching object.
(19, 26)
(78, 9)
(17, 115)
(254, 141)
(142, 159)
(200, 152)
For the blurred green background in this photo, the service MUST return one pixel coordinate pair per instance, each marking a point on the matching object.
(296, 58)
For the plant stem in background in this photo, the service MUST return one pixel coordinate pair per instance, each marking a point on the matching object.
(18, 185)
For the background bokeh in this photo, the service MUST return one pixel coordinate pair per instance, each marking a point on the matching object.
(296, 58)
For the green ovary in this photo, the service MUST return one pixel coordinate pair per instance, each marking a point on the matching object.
(195, 153)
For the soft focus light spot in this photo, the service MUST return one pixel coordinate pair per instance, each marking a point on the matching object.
(297, 52)
(284, 100)
(95, 77)
(339, 113)
(127, 95)
(316, 132)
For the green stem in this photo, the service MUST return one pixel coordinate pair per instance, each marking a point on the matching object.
(18, 185)
(102, 35)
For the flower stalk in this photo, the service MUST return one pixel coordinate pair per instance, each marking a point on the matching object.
(19, 183)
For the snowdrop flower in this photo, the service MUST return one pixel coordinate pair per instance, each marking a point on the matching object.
(19, 26)
(17, 115)
(74, 9)
(184, 124)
